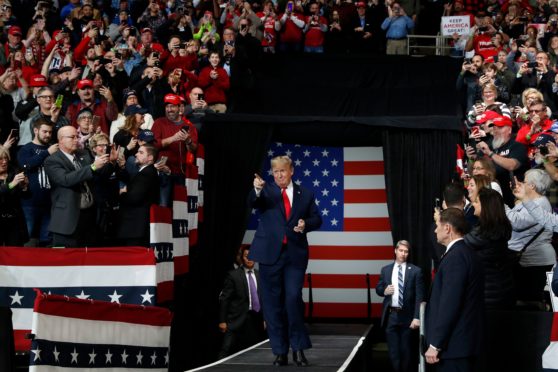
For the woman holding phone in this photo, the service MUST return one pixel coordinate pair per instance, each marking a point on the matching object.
(127, 136)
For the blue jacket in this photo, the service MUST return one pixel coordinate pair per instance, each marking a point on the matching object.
(413, 293)
(273, 226)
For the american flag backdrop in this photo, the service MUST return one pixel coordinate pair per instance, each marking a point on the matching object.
(355, 237)
(120, 275)
(173, 231)
(88, 335)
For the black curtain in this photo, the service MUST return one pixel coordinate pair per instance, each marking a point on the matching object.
(418, 164)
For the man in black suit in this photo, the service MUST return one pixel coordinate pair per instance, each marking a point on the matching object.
(240, 314)
(403, 288)
(540, 77)
(73, 213)
(454, 315)
(136, 198)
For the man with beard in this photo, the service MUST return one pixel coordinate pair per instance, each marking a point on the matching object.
(509, 157)
(175, 136)
(31, 158)
(104, 107)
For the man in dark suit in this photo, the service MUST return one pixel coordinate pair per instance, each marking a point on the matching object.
(136, 198)
(541, 77)
(555, 280)
(403, 288)
(287, 213)
(72, 220)
(455, 313)
(240, 314)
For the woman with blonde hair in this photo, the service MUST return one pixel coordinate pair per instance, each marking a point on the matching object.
(489, 95)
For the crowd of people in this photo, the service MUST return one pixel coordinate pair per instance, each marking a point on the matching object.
(131, 74)
(509, 86)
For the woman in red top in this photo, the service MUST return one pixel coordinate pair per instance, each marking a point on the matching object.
(214, 80)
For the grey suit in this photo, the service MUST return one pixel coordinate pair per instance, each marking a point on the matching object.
(66, 181)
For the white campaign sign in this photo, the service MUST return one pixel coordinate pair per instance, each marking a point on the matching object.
(455, 25)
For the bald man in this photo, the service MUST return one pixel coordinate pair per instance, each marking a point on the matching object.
(69, 170)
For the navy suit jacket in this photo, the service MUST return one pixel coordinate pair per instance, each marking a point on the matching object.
(413, 292)
(455, 313)
(273, 226)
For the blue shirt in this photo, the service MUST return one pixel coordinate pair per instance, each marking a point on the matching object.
(397, 27)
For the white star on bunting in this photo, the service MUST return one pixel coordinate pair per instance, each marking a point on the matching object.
(16, 298)
(146, 297)
(115, 297)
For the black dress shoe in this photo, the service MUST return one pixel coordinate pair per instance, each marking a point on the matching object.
(281, 360)
(299, 358)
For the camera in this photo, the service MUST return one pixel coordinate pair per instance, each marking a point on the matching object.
(118, 55)
(543, 150)
(468, 61)
(156, 55)
(483, 29)
(201, 97)
(157, 64)
(185, 129)
(532, 64)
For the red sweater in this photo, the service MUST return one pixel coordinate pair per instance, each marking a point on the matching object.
(291, 33)
(214, 89)
(176, 151)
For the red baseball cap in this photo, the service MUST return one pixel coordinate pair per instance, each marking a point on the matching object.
(38, 81)
(85, 83)
(15, 30)
(502, 121)
(173, 99)
(146, 29)
(487, 115)
(360, 4)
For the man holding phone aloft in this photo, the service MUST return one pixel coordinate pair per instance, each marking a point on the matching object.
(539, 76)
(177, 139)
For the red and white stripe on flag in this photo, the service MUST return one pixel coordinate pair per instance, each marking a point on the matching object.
(86, 335)
(339, 261)
(116, 274)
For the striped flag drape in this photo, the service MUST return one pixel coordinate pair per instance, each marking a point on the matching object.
(173, 231)
(89, 335)
(355, 238)
(120, 275)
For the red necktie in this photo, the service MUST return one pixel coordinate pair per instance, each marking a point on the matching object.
(287, 205)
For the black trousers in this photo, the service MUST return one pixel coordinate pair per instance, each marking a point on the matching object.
(251, 332)
(402, 344)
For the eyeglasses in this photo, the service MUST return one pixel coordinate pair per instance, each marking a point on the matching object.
(71, 137)
(46, 97)
(478, 168)
(103, 144)
(85, 117)
(536, 111)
